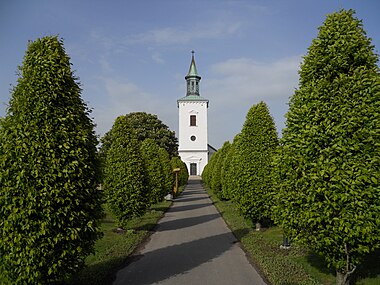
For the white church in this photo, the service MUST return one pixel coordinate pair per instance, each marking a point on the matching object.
(193, 149)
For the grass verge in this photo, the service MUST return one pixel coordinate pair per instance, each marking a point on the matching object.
(294, 266)
(114, 249)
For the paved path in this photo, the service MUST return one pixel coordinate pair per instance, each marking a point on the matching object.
(192, 245)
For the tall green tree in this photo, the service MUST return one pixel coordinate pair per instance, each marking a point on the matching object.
(328, 168)
(124, 179)
(147, 126)
(230, 175)
(168, 177)
(227, 173)
(255, 151)
(49, 205)
(216, 178)
(153, 170)
(208, 169)
(183, 175)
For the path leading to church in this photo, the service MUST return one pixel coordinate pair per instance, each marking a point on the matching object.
(192, 245)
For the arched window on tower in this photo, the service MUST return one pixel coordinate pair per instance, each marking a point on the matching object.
(193, 120)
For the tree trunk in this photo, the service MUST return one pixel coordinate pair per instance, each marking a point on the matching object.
(342, 278)
(258, 226)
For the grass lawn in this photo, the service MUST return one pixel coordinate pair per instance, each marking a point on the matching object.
(294, 266)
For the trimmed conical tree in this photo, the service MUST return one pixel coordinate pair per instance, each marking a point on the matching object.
(208, 169)
(124, 180)
(153, 171)
(49, 205)
(256, 147)
(231, 177)
(183, 175)
(216, 177)
(328, 169)
(226, 173)
(168, 177)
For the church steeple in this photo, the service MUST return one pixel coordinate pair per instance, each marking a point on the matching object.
(192, 79)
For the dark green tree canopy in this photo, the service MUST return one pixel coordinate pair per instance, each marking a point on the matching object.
(49, 205)
(148, 126)
(328, 167)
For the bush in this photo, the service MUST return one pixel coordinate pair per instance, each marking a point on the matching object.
(216, 178)
(256, 146)
(328, 167)
(168, 177)
(153, 170)
(49, 205)
(124, 180)
(183, 175)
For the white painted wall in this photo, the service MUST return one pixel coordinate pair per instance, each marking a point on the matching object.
(193, 151)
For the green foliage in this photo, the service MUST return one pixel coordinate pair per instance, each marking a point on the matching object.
(328, 167)
(124, 179)
(208, 169)
(229, 170)
(183, 175)
(153, 170)
(147, 126)
(255, 149)
(168, 177)
(49, 205)
(216, 178)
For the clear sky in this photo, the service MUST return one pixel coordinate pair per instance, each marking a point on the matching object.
(133, 55)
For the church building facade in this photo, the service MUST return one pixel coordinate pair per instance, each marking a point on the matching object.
(193, 136)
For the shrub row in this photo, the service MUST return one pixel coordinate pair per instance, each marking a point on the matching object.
(322, 185)
(241, 171)
(136, 173)
(50, 207)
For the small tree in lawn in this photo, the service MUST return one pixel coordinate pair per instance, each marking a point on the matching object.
(49, 205)
(216, 178)
(230, 175)
(183, 175)
(328, 169)
(208, 169)
(153, 171)
(224, 173)
(168, 177)
(124, 179)
(257, 143)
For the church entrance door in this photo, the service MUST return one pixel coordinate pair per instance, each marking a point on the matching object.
(193, 169)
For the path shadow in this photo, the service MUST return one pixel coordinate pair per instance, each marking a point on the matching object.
(167, 262)
(188, 192)
(188, 207)
(186, 222)
(190, 199)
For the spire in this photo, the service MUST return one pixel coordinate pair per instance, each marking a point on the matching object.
(192, 78)
(193, 69)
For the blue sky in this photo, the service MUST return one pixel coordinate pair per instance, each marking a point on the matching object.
(133, 55)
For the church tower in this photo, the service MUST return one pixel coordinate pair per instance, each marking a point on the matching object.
(193, 140)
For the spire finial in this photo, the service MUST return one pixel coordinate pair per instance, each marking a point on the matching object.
(193, 52)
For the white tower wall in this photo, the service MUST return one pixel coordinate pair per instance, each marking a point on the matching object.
(192, 135)
(193, 151)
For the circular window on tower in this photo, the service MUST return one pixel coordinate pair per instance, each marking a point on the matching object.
(193, 138)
